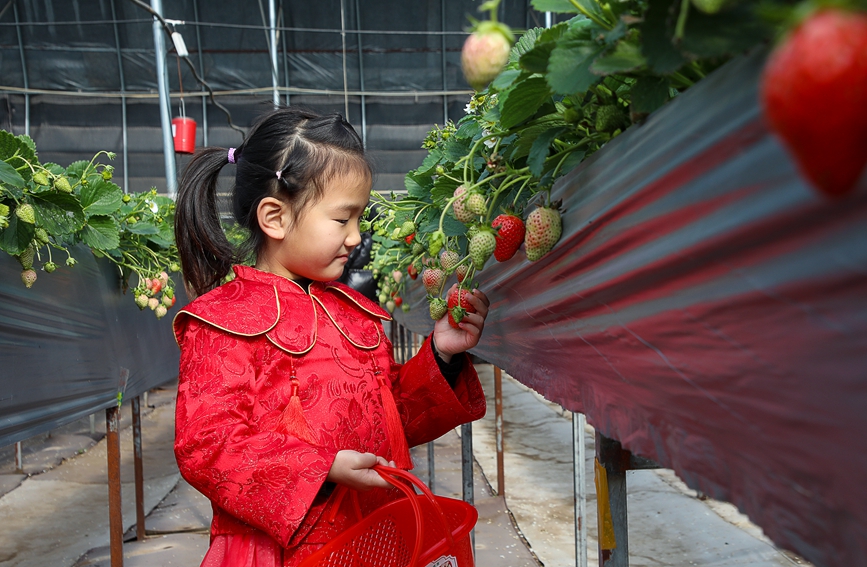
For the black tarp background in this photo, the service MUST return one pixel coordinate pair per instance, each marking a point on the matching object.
(72, 342)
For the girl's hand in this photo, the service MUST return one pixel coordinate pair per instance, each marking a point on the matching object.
(450, 341)
(353, 470)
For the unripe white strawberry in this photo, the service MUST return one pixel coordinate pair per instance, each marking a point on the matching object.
(28, 277)
(485, 53)
(459, 207)
(543, 229)
(153, 303)
(141, 300)
(160, 311)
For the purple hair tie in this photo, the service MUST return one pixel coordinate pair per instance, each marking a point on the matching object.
(279, 174)
(231, 155)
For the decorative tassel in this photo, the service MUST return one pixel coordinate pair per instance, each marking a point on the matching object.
(396, 434)
(293, 419)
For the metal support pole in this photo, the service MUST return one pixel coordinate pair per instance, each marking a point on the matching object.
(165, 102)
(23, 71)
(125, 130)
(467, 469)
(431, 471)
(115, 517)
(498, 412)
(139, 474)
(580, 488)
(205, 141)
(615, 462)
(272, 48)
(19, 458)
(361, 76)
(444, 67)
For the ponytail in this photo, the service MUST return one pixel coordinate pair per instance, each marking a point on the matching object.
(205, 252)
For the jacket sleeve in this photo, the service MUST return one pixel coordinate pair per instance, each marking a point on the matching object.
(429, 406)
(264, 478)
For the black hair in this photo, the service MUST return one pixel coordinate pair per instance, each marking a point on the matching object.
(291, 153)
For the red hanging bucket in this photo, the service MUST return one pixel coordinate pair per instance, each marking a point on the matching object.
(184, 133)
(420, 530)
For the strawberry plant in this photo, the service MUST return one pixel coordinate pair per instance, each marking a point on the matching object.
(46, 209)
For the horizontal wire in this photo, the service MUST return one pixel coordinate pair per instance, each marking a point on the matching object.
(253, 91)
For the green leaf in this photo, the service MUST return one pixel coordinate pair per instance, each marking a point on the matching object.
(524, 44)
(9, 176)
(569, 65)
(531, 131)
(523, 101)
(540, 148)
(101, 197)
(16, 151)
(16, 237)
(469, 129)
(724, 34)
(58, 213)
(656, 37)
(625, 57)
(505, 79)
(76, 169)
(100, 233)
(536, 60)
(142, 228)
(571, 162)
(559, 6)
(160, 241)
(455, 148)
(648, 94)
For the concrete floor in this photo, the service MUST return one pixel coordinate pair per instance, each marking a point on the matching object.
(56, 514)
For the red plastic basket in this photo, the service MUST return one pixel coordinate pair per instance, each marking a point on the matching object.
(420, 530)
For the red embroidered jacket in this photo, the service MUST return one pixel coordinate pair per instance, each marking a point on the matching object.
(239, 345)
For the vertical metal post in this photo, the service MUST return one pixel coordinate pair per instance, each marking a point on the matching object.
(548, 19)
(165, 102)
(580, 488)
(19, 458)
(467, 469)
(361, 75)
(139, 474)
(272, 48)
(201, 87)
(125, 132)
(615, 462)
(23, 71)
(285, 55)
(498, 412)
(443, 44)
(431, 471)
(115, 517)
(92, 423)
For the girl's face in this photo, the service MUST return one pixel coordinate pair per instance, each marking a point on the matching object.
(317, 246)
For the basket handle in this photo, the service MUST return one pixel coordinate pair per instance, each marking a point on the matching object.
(387, 472)
(389, 475)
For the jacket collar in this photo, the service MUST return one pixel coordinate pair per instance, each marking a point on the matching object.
(258, 302)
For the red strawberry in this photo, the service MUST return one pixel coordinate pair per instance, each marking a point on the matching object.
(813, 92)
(156, 285)
(457, 307)
(485, 53)
(409, 238)
(412, 271)
(433, 279)
(510, 236)
(461, 272)
(542, 232)
(398, 300)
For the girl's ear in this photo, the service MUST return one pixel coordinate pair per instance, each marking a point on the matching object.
(273, 216)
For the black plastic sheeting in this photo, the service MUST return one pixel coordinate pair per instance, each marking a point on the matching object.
(709, 310)
(72, 342)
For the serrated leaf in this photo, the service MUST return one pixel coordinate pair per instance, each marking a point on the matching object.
(58, 213)
(144, 228)
(524, 44)
(412, 186)
(16, 151)
(531, 131)
(625, 57)
(100, 233)
(430, 161)
(523, 101)
(570, 162)
(559, 6)
(160, 241)
(16, 237)
(9, 176)
(539, 150)
(505, 79)
(76, 169)
(536, 60)
(569, 66)
(455, 148)
(468, 130)
(648, 94)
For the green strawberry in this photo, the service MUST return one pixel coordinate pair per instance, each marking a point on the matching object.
(449, 259)
(438, 308)
(41, 236)
(26, 257)
(28, 277)
(476, 204)
(40, 178)
(417, 248)
(26, 213)
(709, 6)
(481, 248)
(437, 241)
(62, 185)
(4, 216)
(49, 267)
(71, 261)
(610, 118)
(406, 229)
(459, 206)
(544, 228)
(141, 300)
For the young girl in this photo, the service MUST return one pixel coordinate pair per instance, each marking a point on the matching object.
(287, 383)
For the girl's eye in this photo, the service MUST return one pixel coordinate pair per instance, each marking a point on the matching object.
(342, 221)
